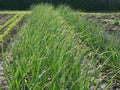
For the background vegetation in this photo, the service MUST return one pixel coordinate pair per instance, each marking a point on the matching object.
(88, 5)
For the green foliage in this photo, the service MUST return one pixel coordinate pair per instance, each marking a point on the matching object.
(96, 39)
(57, 50)
(16, 19)
(15, 12)
(8, 22)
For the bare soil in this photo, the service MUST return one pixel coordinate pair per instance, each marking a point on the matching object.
(5, 17)
(3, 46)
(2, 15)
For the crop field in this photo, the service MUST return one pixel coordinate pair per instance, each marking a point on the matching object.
(10, 22)
(57, 48)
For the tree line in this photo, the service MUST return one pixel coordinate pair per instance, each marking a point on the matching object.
(87, 5)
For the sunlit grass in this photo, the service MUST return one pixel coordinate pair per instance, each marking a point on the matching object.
(10, 26)
(96, 39)
(15, 12)
(58, 50)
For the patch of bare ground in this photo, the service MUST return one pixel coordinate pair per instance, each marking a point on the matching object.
(3, 46)
(2, 16)
(5, 17)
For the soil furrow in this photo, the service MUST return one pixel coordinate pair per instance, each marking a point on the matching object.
(4, 18)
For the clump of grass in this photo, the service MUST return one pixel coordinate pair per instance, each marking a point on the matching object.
(50, 53)
(47, 56)
(96, 38)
